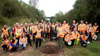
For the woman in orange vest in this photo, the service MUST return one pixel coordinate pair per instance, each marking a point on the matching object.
(22, 42)
(83, 40)
(5, 43)
(13, 44)
(60, 34)
(69, 39)
(38, 37)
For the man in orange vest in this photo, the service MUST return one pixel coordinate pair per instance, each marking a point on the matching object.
(69, 39)
(34, 31)
(96, 28)
(82, 27)
(28, 32)
(83, 40)
(66, 27)
(44, 30)
(5, 31)
(87, 29)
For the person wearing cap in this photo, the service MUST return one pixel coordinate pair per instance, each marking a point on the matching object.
(83, 40)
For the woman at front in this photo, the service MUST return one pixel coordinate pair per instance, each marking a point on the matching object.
(22, 42)
(38, 37)
(5, 43)
(60, 34)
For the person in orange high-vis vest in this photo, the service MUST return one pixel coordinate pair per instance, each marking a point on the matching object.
(34, 31)
(82, 28)
(19, 32)
(44, 30)
(38, 37)
(87, 29)
(48, 30)
(66, 27)
(96, 28)
(22, 42)
(69, 38)
(5, 31)
(83, 40)
(5, 43)
(60, 34)
(13, 44)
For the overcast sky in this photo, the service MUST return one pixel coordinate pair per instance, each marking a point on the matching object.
(51, 7)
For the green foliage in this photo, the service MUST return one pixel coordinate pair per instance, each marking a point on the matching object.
(86, 10)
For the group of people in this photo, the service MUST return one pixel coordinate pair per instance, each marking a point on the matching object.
(65, 33)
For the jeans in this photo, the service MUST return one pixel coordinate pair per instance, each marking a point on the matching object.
(60, 39)
(21, 46)
(37, 42)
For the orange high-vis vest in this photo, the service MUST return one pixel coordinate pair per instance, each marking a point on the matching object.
(5, 32)
(60, 32)
(34, 29)
(48, 29)
(93, 31)
(82, 27)
(87, 28)
(38, 35)
(66, 28)
(44, 28)
(75, 35)
(53, 27)
(23, 40)
(95, 28)
(18, 32)
(76, 26)
(6, 42)
(84, 39)
(13, 44)
(68, 38)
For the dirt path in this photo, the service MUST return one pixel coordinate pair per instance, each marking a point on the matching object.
(55, 54)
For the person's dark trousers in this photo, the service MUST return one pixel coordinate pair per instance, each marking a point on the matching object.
(18, 39)
(45, 34)
(13, 34)
(86, 33)
(84, 43)
(4, 47)
(90, 38)
(51, 34)
(29, 40)
(14, 48)
(97, 35)
(72, 42)
(37, 42)
(34, 36)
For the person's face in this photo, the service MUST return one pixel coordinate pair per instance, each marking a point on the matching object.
(81, 22)
(14, 25)
(86, 22)
(5, 26)
(25, 24)
(74, 30)
(77, 23)
(28, 24)
(41, 21)
(95, 23)
(73, 22)
(14, 38)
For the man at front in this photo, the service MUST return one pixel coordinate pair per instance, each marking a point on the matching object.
(27, 32)
(82, 27)
(69, 39)
(76, 36)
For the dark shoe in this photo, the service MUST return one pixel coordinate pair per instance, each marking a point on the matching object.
(35, 48)
(4, 51)
(19, 51)
(30, 45)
